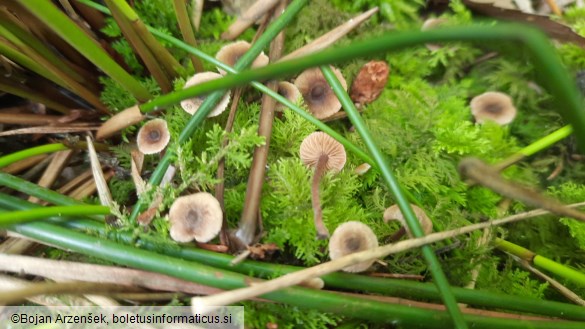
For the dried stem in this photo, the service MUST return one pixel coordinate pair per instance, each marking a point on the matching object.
(36, 289)
(247, 226)
(65, 270)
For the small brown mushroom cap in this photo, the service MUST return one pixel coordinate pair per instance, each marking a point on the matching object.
(319, 143)
(231, 53)
(317, 94)
(153, 137)
(288, 91)
(394, 213)
(197, 216)
(493, 106)
(370, 82)
(351, 237)
(191, 105)
(429, 24)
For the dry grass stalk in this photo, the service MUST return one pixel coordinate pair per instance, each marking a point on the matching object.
(11, 283)
(75, 182)
(332, 36)
(28, 119)
(98, 176)
(48, 130)
(53, 170)
(247, 19)
(89, 187)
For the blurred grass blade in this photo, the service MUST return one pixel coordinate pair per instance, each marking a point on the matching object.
(69, 31)
(17, 156)
(17, 217)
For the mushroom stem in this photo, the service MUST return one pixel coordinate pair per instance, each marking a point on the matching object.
(322, 232)
(397, 235)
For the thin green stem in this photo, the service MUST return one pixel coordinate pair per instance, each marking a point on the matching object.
(399, 288)
(411, 220)
(37, 191)
(542, 262)
(547, 141)
(16, 217)
(20, 155)
(49, 14)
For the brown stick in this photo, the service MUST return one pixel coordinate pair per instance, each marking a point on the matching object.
(247, 227)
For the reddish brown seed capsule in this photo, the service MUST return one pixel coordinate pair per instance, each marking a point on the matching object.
(370, 82)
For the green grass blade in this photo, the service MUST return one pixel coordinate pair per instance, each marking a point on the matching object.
(18, 217)
(49, 14)
(20, 155)
(411, 220)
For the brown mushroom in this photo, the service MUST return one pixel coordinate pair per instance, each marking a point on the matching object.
(288, 91)
(370, 82)
(317, 94)
(191, 105)
(231, 53)
(322, 152)
(153, 137)
(394, 213)
(493, 106)
(197, 216)
(351, 237)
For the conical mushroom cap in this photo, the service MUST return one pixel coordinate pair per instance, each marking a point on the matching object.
(153, 137)
(319, 143)
(191, 105)
(231, 53)
(351, 237)
(288, 91)
(394, 213)
(493, 106)
(197, 216)
(318, 95)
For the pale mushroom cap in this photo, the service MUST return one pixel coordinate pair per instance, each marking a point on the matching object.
(231, 53)
(394, 213)
(191, 105)
(288, 91)
(493, 106)
(153, 137)
(197, 216)
(318, 143)
(351, 237)
(318, 95)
